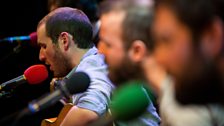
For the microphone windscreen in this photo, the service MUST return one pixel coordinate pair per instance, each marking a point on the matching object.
(33, 39)
(36, 74)
(78, 82)
(129, 101)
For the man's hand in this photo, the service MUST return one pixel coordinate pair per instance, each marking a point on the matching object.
(154, 74)
(53, 85)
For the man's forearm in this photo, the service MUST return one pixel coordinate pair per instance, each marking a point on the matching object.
(79, 117)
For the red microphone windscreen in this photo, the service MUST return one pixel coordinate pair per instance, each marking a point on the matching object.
(33, 39)
(36, 74)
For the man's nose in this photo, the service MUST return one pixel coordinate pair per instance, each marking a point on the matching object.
(42, 55)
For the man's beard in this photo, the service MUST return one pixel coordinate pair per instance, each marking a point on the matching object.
(200, 83)
(127, 70)
(62, 65)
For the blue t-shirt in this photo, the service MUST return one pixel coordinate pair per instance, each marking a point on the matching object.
(97, 96)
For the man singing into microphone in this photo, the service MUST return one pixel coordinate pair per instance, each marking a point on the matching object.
(64, 36)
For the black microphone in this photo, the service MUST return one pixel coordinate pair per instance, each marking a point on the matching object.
(32, 38)
(76, 83)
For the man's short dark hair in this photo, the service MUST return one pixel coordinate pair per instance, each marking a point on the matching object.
(89, 7)
(73, 21)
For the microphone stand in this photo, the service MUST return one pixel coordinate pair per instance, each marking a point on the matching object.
(16, 50)
(20, 116)
(6, 94)
(8, 119)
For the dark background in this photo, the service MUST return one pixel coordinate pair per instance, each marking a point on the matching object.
(20, 17)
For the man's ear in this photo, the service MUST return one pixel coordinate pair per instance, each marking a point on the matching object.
(64, 40)
(212, 39)
(137, 51)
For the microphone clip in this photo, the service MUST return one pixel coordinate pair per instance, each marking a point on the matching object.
(60, 84)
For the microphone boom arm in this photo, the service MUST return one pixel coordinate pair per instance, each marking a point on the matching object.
(18, 80)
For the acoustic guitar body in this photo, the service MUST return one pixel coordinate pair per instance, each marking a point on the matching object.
(57, 120)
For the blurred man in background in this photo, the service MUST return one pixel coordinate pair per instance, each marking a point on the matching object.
(190, 46)
(188, 36)
(125, 41)
(64, 36)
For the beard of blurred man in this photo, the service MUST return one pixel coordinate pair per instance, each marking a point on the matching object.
(120, 65)
(200, 82)
(125, 71)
